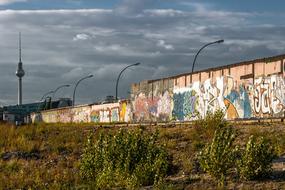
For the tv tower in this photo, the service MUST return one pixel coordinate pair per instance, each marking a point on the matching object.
(20, 72)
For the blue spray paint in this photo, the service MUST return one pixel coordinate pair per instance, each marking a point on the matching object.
(189, 104)
(245, 103)
(242, 99)
(177, 112)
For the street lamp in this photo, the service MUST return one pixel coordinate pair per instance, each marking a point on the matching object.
(136, 64)
(62, 86)
(46, 95)
(216, 42)
(73, 100)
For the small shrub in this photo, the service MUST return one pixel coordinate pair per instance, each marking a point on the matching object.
(124, 159)
(218, 157)
(256, 160)
(213, 120)
(204, 128)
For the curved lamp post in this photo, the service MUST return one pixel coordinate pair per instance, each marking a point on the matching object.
(73, 100)
(46, 95)
(136, 64)
(216, 42)
(62, 86)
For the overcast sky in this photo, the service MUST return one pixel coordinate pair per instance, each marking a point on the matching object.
(65, 40)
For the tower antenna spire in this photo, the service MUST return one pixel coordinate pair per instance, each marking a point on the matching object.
(20, 72)
(20, 48)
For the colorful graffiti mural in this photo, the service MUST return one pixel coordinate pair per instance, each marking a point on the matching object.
(125, 112)
(113, 112)
(198, 99)
(269, 96)
(95, 116)
(184, 105)
(248, 98)
(265, 97)
(153, 108)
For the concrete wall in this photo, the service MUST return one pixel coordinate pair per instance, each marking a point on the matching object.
(253, 89)
(113, 112)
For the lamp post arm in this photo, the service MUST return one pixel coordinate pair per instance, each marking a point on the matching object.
(73, 99)
(219, 41)
(199, 53)
(46, 94)
(117, 83)
(67, 85)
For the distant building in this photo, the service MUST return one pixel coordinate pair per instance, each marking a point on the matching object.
(1, 114)
(17, 113)
(109, 99)
(20, 114)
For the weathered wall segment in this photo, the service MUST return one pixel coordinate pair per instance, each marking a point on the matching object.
(113, 112)
(253, 89)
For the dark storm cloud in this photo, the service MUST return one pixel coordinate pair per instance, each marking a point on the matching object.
(61, 46)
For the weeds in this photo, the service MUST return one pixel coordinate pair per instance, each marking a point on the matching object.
(256, 160)
(124, 159)
(222, 155)
(218, 157)
(48, 156)
(204, 129)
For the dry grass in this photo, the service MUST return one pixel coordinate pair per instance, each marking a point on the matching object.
(47, 156)
(40, 156)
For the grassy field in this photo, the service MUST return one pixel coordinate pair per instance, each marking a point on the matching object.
(47, 156)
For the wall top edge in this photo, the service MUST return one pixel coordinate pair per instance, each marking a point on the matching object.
(264, 60)
(85, 105)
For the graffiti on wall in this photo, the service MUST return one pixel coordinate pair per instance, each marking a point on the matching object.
(91, 113)
(262, 97)
(237, 99)
(146, 108)
(115, 114)
(198, 99)
(248, 98)
(164, 106)
(269, 96)
(185, 105)
(95, 116)
(81, 115)
(125, 112)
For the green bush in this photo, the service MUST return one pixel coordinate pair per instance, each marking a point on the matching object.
(204, 128)
(213, 120)
(124, 159)
(217, 158)
(256, 160)
(220, 156)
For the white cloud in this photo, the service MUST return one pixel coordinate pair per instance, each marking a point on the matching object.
(81, 37)
(5, 2)
(161, 43)
(84, 12)
(163, 40)
(164, 12)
